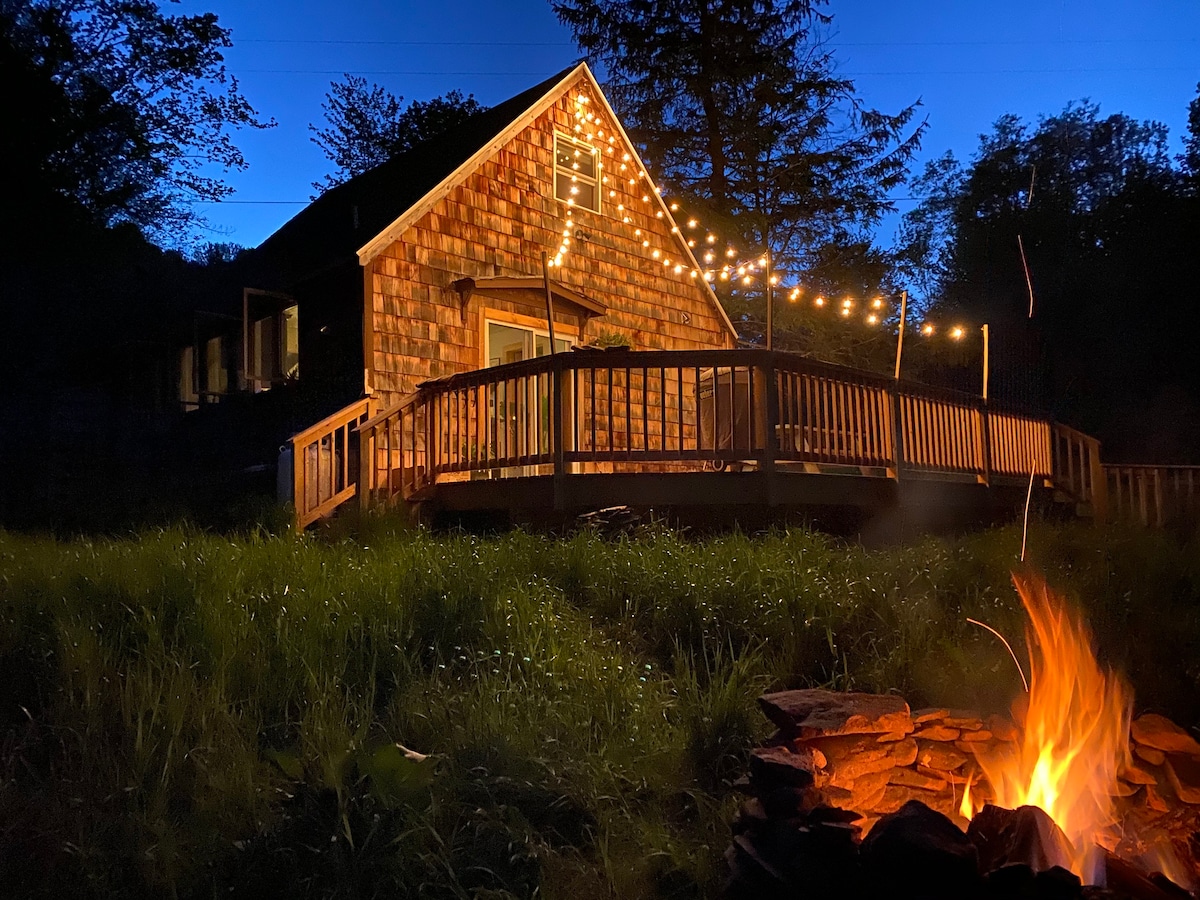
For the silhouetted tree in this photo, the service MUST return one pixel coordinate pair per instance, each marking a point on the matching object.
(118, 107)
(1191, 142)
(366, 126)
(1109, 231)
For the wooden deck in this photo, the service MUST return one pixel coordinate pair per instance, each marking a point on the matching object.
(714, 428)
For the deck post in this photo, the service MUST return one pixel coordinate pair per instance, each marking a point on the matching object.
(432, 440)
(1099, 484)
(770, 408)
(299, 495)
(897, 429)
(558, 374)
(364, 469)
(985, 443)
(1160, 517)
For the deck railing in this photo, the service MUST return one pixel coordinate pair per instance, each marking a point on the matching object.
(1078, 472)
(623, 411)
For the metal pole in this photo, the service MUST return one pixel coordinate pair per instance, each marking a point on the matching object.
(549, 300)
(900, 336)
(985, 363)
(770, 305)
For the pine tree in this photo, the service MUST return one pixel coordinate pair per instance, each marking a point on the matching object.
(739, 108)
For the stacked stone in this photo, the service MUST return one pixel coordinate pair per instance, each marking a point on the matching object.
(871, 754)
(1160, 789)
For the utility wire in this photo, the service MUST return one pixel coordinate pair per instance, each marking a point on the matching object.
(1070, 71)
(1080, 41)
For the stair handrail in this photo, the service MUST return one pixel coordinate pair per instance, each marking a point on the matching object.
(384, 433)
(317, 489)
(1078, 470)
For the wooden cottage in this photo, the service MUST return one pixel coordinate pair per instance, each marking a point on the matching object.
(439, 308)
(431, 264)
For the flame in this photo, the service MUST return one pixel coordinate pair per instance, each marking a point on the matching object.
(967, 808)
(1076, 731)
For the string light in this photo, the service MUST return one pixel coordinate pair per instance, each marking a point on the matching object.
(746, 271)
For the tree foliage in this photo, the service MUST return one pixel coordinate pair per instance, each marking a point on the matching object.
(739, 108)
(1109, 230)
(118, 107)
(1191, 142)
(366, 126)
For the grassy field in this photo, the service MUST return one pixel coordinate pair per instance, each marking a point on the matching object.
(189, 715)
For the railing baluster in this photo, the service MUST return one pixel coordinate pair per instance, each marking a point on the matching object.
(753, 405)
(839, 419)
(811, 440)
(645, 410)
(629, 421)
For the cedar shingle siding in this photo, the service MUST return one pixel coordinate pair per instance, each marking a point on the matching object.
(498, 221)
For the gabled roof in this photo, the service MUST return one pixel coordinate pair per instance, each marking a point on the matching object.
(337, 223)
(362, 216)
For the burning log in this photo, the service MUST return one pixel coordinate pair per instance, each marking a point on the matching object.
(918, 846)
(1024, 836)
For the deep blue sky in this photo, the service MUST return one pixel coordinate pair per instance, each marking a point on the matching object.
(969, 61)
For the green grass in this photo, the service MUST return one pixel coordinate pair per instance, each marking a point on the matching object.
(188, 715)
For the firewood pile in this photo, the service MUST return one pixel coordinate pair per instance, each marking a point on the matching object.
(857, 795)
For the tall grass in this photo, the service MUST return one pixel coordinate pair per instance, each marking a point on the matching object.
(190, 715)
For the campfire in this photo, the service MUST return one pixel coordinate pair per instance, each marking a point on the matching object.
(857, 792)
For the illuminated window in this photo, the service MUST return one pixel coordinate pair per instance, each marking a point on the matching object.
(274, 345)
(216, 368)
(189, 396)
(576, 173)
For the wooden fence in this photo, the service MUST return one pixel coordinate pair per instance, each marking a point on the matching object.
(1154, 495)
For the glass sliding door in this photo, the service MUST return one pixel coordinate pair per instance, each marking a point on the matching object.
(512, 433)
(512, 343)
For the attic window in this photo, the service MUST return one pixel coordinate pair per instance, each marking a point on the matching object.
(576, 172)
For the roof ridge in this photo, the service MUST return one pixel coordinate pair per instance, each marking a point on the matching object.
(344, 204)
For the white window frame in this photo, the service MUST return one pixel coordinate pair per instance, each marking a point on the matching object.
(574, 176)
(570, 340)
